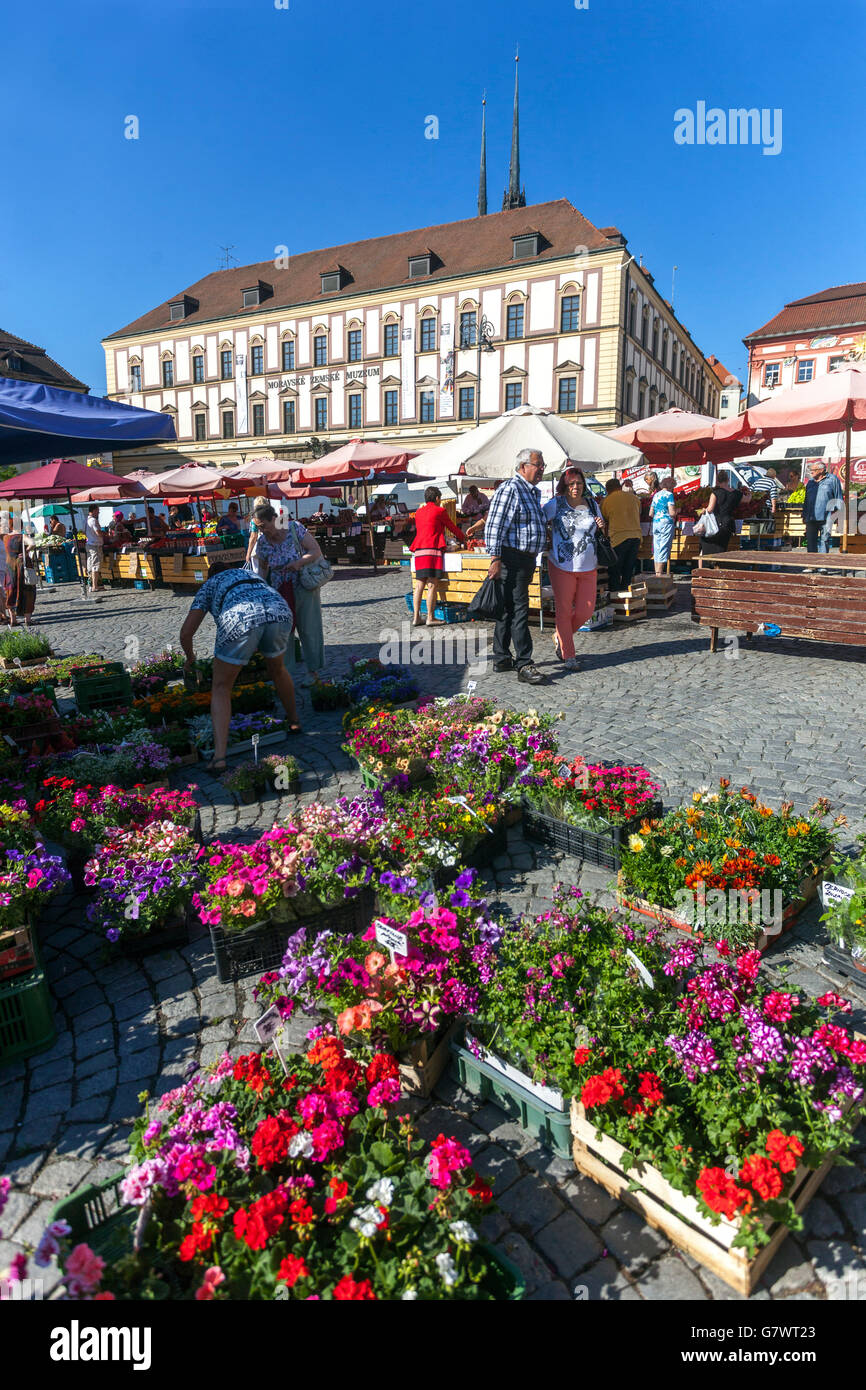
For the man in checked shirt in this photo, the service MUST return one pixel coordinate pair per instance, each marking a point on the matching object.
(515, 534)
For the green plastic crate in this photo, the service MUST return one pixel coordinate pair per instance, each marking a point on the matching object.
(26, 1015)
(98, 1216)
(102, 691)
(550, 1127)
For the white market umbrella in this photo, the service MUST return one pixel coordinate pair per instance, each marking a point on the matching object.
(490, 450)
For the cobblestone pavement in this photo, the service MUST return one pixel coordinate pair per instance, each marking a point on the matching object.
(784, 717)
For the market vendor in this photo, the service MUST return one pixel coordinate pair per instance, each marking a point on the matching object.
(119, 532)
(56, 528)
(475, 504)
(379, 510)
(250, 617)
(231, 520)
(155, 524)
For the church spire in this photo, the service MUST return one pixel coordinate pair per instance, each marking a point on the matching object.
(515, 196)
(482, 178)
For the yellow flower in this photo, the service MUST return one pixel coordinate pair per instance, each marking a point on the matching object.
(635, 844)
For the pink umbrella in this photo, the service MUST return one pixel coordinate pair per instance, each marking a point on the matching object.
(264, 471)
(676, 438)
(833, 402)
(360, 458)
(127, 488)
(193, 480)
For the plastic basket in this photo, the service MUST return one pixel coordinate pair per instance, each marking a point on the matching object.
(595, 847)
(262, 947)
(26, 1016)
(550, 1127)
(97, 1215)
(444, 612)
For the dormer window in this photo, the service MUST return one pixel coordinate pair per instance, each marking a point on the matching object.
(525, 246)
(254, 294)
(335, 278)
(420, 266)
(179, 308)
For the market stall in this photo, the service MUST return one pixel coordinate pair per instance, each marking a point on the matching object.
(348, 540)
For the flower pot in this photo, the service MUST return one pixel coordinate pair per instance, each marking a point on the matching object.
(548, 1124)
(482, 853)
(249, 796)
(254, 950)
(839, 957)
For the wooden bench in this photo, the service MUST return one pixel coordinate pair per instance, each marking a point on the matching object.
(740, 592)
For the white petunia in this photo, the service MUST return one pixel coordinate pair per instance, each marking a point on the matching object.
(463, 1232)
(409, 1296)
(381, 1191)
(446, 1268)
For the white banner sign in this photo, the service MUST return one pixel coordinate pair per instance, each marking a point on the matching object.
(407, 370)
(243, 426)
(446, 371)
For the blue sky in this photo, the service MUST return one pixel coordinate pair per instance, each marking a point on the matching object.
(305, 126)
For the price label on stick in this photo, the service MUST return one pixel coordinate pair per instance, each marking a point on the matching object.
(835, 893)
(395, 942)
(255, 743)
(641, 969)
(267, 1029)
(470, 686)
(461, 801)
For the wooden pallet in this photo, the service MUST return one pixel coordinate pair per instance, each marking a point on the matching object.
(628, 610)
(677, 1215)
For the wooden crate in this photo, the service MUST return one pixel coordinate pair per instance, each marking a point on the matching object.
(677, 1215)
(138, 566)
(627, 609)
(189, 569)
(424, 1063)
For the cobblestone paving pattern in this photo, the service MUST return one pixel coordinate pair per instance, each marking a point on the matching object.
(784, 717)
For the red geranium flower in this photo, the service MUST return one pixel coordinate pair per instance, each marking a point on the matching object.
(582, 1055)
(349, 1289)
(291, 1269)
(763, 1176)
(784, 1149)
(721, 1193)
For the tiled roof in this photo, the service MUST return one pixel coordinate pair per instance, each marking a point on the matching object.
(37, 365)
(461, 248)
(841, 306)
(721, 371)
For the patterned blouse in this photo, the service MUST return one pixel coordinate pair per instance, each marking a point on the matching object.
(574, 534)
(281, 554)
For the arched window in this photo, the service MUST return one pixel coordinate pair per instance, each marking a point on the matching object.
(135, 373)
(655, 348)
(354, 341)
(391, 336)
(427, 331)
(198, 365)
(257, 356)
(632, 313)
(287, 352)
(569, 309)
(168, 369)
(515, 312)
(468, 324)
(644, 327)
(320, 346)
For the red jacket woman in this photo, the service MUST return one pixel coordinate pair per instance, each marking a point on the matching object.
(428, 548)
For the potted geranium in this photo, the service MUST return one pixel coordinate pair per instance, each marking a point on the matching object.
(584, 808)
(727, 866)
(247, 781)
(720, 1126)
(248, 1184)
